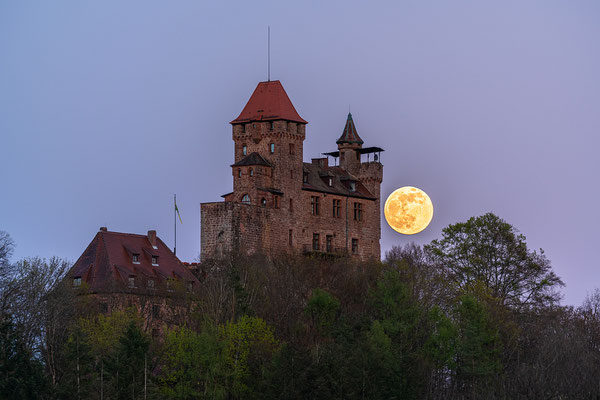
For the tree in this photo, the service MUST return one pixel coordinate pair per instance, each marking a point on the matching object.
(487, 249)
(6, 248)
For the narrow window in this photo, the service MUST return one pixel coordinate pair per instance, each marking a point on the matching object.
(244, 150)
(305, 177)
(190, 286)
(276, 201)
(354, 246)
(263, 202)
(155, 261)
(271, 125)
(246, 199)
(290, 236)
(291, 174)
(291, 205)
(330, 181)
(336, 208)
(314, 205)
(77, 282)
(150, 283)
(353, 186)
(329, 243)
(315, 242)
(271, 148)
(239, 172)
(131, 281)
(254, 125)
(251, 172)
(243, 128)
(291, 148)
(357, 211)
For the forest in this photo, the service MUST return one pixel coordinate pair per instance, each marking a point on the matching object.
(475, 314)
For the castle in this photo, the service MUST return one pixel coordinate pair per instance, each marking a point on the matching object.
(280, 203)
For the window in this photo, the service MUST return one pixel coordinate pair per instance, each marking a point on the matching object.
(291, 205)
(190, 286)
(243, 128)
(329, 243)
(337, 205)
(239, 172)
(330, 181)
(155, 261)
(354, 246)
(352, 186)
(290, 236)
(254, 125)
(315, 243)
(131, 281)
(276, 201)
(305, 177)
(271, 148)
(150, 283)
(314, 205)
(263, 202)
(155, 310)
(77, 281)
(292, 150)
(136, 258)
(271, 125)
(246, 199)
(357, 212)
(170, 284)
(244, 150)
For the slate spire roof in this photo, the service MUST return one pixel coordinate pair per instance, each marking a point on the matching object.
(349, 135)
(269, 102)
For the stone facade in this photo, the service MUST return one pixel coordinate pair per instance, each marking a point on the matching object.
(281, 204)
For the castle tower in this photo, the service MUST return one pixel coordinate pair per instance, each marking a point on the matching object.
(268, 136)
(348, 144)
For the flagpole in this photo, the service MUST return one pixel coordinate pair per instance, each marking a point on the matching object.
(175, 222)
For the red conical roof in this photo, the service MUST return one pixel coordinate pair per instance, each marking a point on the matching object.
(268, 102)
(350, 135)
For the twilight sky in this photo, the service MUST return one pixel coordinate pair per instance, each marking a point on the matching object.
(109, 108)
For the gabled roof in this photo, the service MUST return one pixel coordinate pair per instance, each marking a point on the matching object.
(252, 159)
(318, 181)
(107, 263)
(268, 102)
(349, 135)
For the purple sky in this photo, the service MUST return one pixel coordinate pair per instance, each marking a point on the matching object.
(107, 109)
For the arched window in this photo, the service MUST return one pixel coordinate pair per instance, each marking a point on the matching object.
(246, 199)
(263, 202)
(251, 172)
(239, 172)
(244, 150)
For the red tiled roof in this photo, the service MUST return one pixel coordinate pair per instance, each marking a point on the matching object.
(107, 263)
(349, 135)
(269, 102)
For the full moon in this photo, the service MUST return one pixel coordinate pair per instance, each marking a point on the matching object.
(408, 210)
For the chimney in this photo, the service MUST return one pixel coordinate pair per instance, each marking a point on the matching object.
(103, 229)
(152, 238)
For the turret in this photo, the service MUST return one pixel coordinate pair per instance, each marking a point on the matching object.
(348, 145)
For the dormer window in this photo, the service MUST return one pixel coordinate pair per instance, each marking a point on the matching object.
(77, 282)
(150, 283)
(244, 150)
(131, 281)
(135, 258)
(155, 261)
(352, 186)
(330, 181)
(272, 148)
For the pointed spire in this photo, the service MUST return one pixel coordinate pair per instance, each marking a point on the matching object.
(350, 135)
